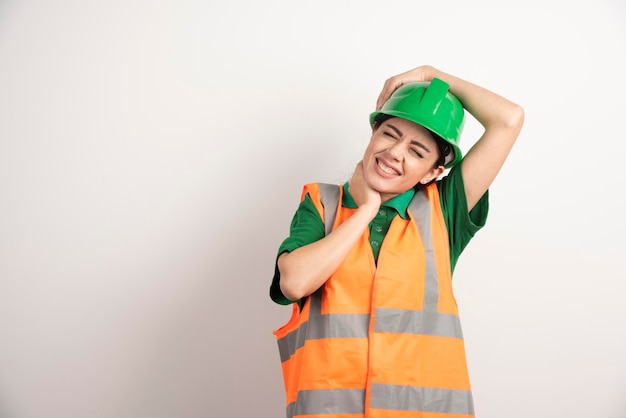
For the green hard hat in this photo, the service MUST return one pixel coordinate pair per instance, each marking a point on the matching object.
(432, 106)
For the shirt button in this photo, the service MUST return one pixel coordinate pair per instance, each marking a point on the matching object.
(375, 244)
(381, 212)
(379, 228)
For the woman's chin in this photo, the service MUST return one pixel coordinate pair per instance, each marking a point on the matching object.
(383, 187)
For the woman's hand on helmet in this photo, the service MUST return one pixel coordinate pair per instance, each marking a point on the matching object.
(421, 73)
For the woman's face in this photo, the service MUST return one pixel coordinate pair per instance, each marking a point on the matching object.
(400, 154)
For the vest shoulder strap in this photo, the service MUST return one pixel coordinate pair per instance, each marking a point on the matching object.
(329, 195)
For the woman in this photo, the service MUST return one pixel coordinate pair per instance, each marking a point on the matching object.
(375, 331)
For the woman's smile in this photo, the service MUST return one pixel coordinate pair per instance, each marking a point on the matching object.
(387, 170)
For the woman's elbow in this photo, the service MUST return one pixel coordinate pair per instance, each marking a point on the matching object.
(290, 292)
(515, 117)
(290, 287)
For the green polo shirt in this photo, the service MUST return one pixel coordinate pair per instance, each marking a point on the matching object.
(307, 226)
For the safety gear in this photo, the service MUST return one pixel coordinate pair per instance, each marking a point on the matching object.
(380, 340)
(432, 106)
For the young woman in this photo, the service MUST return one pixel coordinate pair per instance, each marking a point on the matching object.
(375, 331)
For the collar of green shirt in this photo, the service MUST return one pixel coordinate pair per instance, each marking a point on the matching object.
(399, 203)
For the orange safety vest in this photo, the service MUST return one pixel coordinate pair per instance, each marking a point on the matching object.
(381, 341)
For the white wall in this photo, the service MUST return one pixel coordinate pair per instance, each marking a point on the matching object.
(152, 154)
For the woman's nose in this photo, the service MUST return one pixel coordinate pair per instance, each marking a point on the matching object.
(396, 150)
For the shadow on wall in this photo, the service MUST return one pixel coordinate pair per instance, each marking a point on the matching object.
(216, 354)
(5, 412)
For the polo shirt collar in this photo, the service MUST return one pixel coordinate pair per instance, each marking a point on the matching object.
(399, 203)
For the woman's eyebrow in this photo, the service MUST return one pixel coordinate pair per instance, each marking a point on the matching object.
(419, 144)
(399, 133)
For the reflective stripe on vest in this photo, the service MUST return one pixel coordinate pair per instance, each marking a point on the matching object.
(394, 345)
(386, 397)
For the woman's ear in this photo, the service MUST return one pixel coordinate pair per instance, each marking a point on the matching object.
(433, 174)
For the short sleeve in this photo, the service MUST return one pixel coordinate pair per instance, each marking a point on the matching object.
(462, 225)
(306, 227)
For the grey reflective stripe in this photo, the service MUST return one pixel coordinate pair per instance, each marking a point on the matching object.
(328, 401)
(329, 195)
(423, 399)
(421, 211)
(418, 322)
(323, 326)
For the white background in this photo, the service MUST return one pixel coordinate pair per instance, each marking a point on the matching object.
(152, 154)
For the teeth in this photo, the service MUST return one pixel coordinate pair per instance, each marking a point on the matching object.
(386, 169)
